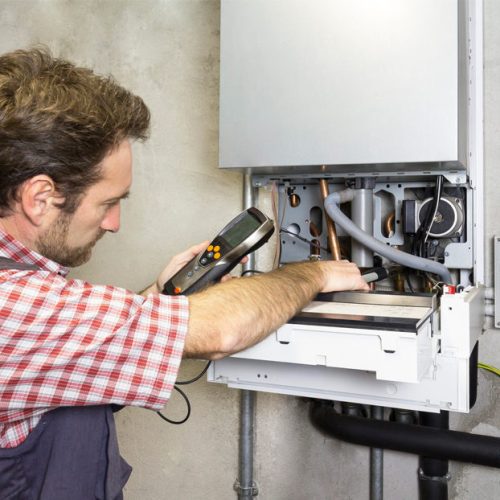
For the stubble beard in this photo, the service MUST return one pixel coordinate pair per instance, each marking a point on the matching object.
(53, 244)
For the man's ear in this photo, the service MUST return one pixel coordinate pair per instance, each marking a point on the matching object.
(39, 198)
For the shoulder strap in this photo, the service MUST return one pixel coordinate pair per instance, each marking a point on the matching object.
(6, 263)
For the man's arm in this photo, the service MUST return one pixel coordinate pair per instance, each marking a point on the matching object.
(229, 317)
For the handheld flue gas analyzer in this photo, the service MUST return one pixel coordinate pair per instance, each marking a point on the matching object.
(244, 234)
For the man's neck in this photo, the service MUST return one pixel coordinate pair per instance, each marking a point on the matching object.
(19, 229)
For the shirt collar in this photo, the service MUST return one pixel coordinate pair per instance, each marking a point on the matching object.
(15, 250)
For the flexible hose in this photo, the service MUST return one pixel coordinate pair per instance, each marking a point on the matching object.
(405, 259)
(427, 441)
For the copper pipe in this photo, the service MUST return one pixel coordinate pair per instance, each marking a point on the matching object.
(399, 281)
(294, 200)
(333, 241)
(389, 226)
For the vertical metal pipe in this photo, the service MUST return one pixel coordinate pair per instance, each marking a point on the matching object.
(245, 485)
(333, 241)
(377, 462)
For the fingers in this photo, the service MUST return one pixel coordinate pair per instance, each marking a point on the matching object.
(228, 277)
(179, 261)
(343, 275)
(196, 249)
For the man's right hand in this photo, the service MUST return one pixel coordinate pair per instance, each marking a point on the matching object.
(342, 275)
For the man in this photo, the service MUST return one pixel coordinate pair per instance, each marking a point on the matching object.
(70, 349)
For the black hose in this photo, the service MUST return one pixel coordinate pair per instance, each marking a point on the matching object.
(433, 474)
(420, 440)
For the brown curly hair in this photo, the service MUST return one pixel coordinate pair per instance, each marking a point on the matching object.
(60, 120)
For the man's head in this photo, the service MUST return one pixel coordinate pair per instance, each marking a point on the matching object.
(63, 135)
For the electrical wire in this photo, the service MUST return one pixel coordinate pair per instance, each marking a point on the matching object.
(184, 396)
(253, 271)
(305, 240)
(420, 240)
(489, 368)
(188, 414)
(275, 204)
(435, 207)
(194, 379)
(419, 246)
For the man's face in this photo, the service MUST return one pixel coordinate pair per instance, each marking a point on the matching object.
(70, 238)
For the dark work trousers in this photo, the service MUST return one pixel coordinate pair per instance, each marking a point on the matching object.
(72, 454)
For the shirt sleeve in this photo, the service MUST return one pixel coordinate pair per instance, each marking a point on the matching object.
(70, 343)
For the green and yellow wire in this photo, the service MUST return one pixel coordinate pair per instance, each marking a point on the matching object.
(489, 368)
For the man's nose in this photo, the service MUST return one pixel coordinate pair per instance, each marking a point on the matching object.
(111, 222)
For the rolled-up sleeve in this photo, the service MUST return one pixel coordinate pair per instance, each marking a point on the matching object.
(68, 343)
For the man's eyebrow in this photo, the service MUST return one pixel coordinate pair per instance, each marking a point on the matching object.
(124, 196)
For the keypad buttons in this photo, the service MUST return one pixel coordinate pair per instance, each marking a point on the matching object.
(217, 256)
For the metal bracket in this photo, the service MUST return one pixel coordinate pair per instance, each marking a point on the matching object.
(246, 491)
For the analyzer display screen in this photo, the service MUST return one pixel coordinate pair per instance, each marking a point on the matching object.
(241, 230)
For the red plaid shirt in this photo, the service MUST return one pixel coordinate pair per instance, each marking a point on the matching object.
(69, 343)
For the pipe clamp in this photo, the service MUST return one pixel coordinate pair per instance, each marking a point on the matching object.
(246, 491)
(440, 479)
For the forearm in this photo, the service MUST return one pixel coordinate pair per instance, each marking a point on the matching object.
(229, 317)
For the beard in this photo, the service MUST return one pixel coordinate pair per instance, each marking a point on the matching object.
(53, 244)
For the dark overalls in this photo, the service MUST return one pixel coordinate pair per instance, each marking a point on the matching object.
(72, 454)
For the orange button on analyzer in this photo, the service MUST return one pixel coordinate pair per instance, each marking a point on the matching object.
(216, 248)
(210, 248)
(177, 290)
(217, 256)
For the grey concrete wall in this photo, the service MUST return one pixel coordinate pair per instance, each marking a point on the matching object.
(167, 51)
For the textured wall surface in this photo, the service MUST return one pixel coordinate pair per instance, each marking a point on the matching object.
(167, 51)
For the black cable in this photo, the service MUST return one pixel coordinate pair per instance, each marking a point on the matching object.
(420, 240)
(420, 245)
(253, 271)
(184, 395)
(435, 205)
(305, 240)
(186, 382)
(188, 414)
